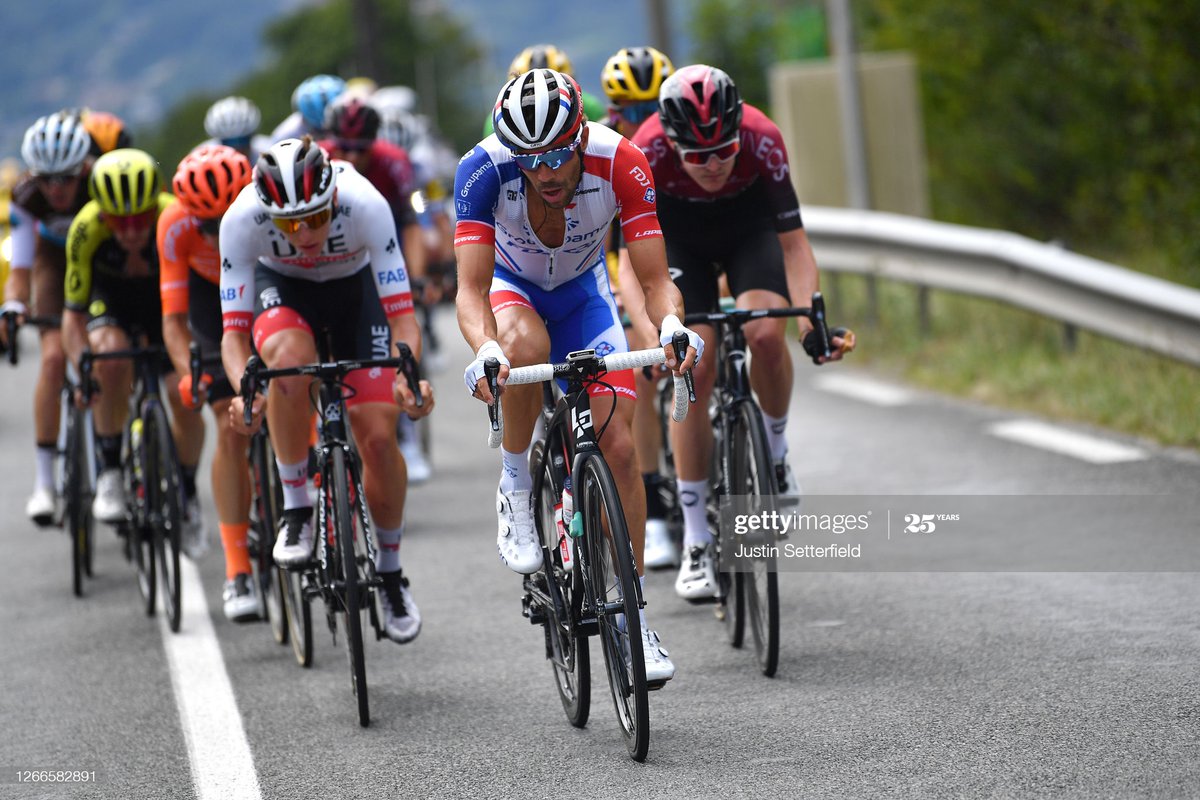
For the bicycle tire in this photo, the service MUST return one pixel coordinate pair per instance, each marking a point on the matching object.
(77, 500)
(140, 539)
(164, 498)
(753, 474)
(572, 677)
(614, 588)
(343, 514)
(269, 580)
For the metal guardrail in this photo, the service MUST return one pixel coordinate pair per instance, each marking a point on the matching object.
(1154, 314)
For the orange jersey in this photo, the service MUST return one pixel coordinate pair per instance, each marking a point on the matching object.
(180, 247)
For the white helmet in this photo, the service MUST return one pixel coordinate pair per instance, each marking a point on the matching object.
(387, 98)
(294, 178)
(538, 109)
(232, 118)
(56, 143)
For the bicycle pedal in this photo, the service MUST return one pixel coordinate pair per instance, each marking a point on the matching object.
(654, 686)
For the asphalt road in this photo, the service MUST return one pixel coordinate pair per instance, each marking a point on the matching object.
(946, 679)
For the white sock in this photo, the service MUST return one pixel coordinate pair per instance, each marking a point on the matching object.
(387, 548)
(45, 467)
(294, 478)
(514, 472)
(776, 441)
(693, 496)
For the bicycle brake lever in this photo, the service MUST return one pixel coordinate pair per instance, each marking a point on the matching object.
(248, 387)
(679, 342)
(411, 370)
(194, 367)
(491, 371)
(10, 322)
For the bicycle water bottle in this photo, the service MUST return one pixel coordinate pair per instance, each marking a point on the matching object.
(135, 446)
(565, 515)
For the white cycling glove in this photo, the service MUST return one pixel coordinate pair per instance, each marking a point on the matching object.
(16, 306)
(489, 349)
(671, 325)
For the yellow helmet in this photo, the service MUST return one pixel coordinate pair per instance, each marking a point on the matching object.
(125, 182)
(635, 74)
(540, 56)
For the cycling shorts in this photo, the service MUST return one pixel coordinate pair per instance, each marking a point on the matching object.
(746, 249)
(580, 315)
(344, 317)
(131, 304)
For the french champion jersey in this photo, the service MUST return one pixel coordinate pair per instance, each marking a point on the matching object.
(489, 198)
(362, 232)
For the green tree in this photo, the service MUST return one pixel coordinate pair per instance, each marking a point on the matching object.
(320, 39)
(1075, 120)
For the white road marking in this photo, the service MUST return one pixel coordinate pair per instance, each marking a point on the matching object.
(222, 766)
(1092, 449)
(864, 389)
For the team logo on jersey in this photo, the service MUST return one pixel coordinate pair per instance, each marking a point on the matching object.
(649, 196)
(512, 195)
(462, 207)
(226, 265)
(270, 297)
(604, 348)
(391, 246)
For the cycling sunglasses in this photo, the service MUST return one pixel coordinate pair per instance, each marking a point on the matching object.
(209, 227)
(130, 222)
(635, 113)
(352, 145)
(723, 152)
(311, 221)
(551, 158)
(58, 179)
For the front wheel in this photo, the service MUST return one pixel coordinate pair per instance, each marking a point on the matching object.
(164, 490)
(343, 515)
(614, 596)
(77, 492)
(269, 581)
(753, 475)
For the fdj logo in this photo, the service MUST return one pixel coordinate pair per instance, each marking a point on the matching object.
(581, 421)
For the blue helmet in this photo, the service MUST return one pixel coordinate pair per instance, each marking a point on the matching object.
(314, 94)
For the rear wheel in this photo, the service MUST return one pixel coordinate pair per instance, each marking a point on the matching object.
(568, 651)
(753, 475)
(269, 581)
(614, 585)
(343, 514)
(164, 485)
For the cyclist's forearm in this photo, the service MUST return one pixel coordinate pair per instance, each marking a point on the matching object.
(235, 352)
(414, 251)
(800, 265)
(405, 328)
(74, 334)
(178, 339)
(17, 285)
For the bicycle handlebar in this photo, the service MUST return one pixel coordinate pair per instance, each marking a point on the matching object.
(617, 362)
(256, 374)
(12, 324)
(818, 343)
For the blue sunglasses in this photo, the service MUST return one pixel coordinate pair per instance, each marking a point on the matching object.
(551, 158)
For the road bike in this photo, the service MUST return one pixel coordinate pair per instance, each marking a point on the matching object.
(151, 476)
(588, 584)
(743, 472)
(343, 572)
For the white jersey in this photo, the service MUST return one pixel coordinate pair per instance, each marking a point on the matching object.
(362, 232)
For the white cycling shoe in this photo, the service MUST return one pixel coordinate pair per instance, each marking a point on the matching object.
(516, 536)
(697, 574)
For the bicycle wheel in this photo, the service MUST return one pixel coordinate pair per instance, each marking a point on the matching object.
(614, 588)
(269, 581)
(140, 538)
(164, 498)
(567, 651)
(753, 475)
(77, 492)
(342, 512)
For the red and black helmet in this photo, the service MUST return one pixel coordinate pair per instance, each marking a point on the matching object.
(700, 107)
(294, 178)
(352, 118)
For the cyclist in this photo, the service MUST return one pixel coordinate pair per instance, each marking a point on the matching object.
(548, 56)
(631, 79)
(206, 183)
(43, 204)
(233, 121)
(535, 200)
(726, 198)
(354, 125)
(111, 292)
(309, 100)
(107, 131)
(310, 250)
